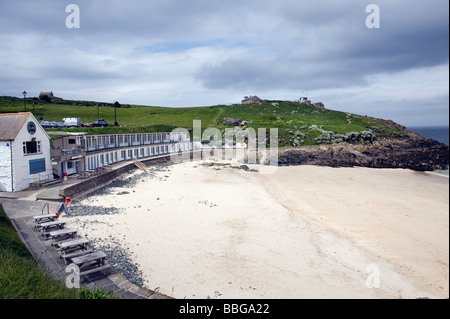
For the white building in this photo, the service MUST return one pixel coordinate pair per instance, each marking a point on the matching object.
(76, 154)
(24, 152)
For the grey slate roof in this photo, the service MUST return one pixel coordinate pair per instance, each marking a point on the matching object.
(11, 123)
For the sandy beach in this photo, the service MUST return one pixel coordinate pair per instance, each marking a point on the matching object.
(200, 231)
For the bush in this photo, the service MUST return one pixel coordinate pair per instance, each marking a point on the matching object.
(94, 294)
(329, 137)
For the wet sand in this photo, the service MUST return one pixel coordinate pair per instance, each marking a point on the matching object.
(197, 231)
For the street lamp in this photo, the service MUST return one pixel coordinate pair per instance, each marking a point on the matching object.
(116, 104)
(24, 101)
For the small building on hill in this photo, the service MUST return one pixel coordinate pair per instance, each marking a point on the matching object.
(24, 152)
(48, 96)
(251, 100)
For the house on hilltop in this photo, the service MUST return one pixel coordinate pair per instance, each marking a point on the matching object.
(251, 100)
(48, 96)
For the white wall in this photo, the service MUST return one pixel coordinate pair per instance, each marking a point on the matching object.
(5, 166)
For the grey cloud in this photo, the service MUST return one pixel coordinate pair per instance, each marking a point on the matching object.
(344, 50)
(215, 48)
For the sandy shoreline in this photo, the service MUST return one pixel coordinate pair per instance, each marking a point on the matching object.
(303, 232)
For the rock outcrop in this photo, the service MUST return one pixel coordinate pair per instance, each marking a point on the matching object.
(413, 152)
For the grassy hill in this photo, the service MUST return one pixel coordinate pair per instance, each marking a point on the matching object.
(296, 123)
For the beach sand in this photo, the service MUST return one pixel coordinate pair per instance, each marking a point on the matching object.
(199, 231)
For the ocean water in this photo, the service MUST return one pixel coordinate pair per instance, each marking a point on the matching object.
(438, 133)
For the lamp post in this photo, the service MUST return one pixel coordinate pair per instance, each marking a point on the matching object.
(24, 99)
(116, 104)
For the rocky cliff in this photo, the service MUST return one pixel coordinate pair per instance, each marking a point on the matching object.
(412, 152)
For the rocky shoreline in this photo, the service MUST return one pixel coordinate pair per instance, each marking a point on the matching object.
(416, 153)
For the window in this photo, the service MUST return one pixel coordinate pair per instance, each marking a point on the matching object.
(72, 141)
(32, 147)
(37, 166)
(69, 165)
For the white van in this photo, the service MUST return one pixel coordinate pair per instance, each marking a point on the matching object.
(72, 121)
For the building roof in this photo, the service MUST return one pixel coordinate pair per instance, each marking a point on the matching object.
(11, 123)
(254, 98)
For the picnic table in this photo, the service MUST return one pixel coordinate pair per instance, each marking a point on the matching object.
(68, 256)
(98, 257)
(96, 260)
(54, 235)
(80, 243)
(47, 225)
(43, 218)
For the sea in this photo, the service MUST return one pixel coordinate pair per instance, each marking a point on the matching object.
(438, 133)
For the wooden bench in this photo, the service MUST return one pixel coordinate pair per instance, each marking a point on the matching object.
(68, 232)
(45, 226)
(43, 218)
(80, 243)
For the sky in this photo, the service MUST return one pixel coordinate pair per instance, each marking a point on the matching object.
(182, 53)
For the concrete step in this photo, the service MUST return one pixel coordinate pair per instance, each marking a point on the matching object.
(43, 184)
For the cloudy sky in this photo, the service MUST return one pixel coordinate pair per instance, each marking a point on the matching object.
(181, 53)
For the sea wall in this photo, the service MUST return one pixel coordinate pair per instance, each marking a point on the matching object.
(99, 181)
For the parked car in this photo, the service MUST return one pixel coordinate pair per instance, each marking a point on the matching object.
(58, 124)
(99, 123)
(46, 124)
(85, 124)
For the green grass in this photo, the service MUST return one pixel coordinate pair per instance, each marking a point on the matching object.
(22, 278)
(288, 117)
